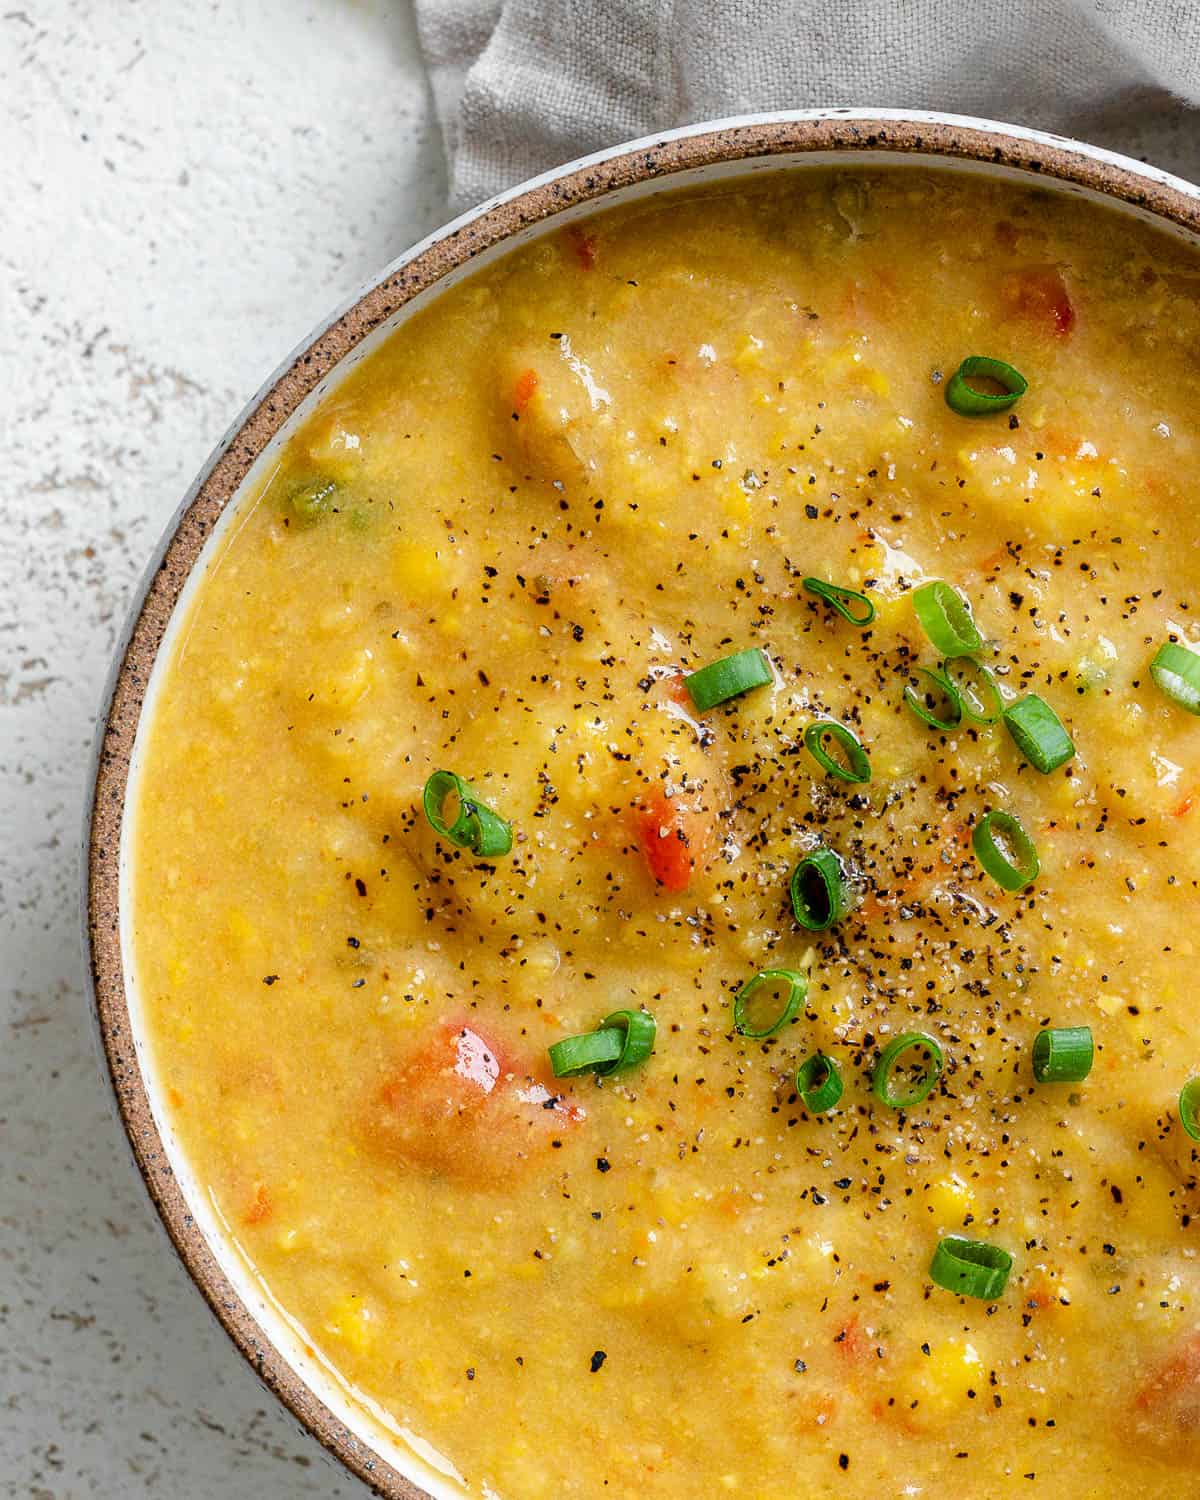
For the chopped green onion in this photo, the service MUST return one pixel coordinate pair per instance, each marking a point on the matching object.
(945, 618)
(1039, 733)
(962, 396)
(972, 1268)
(622, 1041)
(728, 677)
(857, 765)
(1063, 1054)
(590, 1053)
(1090, 674)
(639, 1028)
(1189, 1108)
(1176, 670)
(884, 1084)
(474, 826)
(918, 702)
(797, 989)
(818, 1083)
(1011, 859)
(849, 603)
(310, 501)
(819, 890)
(976, 706)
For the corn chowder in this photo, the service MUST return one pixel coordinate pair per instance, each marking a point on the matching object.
(666, 855)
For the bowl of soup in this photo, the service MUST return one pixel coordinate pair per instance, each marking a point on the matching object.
(642, 875)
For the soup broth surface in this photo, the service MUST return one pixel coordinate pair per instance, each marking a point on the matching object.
(498, 548)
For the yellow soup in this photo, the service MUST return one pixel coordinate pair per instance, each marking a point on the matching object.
(500, 550)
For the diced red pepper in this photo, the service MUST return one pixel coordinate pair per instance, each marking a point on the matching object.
(672, 837)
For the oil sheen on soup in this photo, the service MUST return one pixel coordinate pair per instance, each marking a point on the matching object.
(611, 534)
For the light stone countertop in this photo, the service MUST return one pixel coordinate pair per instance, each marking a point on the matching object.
(187, 189)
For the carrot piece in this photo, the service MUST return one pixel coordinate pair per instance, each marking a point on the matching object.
(676, 689)
(1166, 1407)
(1040, 294)
(459, 1106)
(260, 1206)
(527, 384)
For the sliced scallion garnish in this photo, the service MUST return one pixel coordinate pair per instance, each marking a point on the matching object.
(857, 765)
(971, 1268)
(474, 825)
(1189, 1108)
(310, 501)
(945, 618)
(638, 1028)
(587, 1053)
(819, 890)
(1039, 734)
(1005, 850)
(795, 987)
(849, 603)
(965, 399)
(895, 1092)
(622, 1041)
(982, 707)
(728, 677)
(943, 688)
(1063, 1054)
(818, 1083)
(1176, 671)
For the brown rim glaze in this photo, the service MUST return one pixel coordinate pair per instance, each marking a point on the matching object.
(659, 160)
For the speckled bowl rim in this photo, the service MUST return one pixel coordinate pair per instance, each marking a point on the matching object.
(943, 138)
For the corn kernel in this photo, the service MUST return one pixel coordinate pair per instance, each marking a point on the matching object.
(950, 1199)
(350, 1319)
(941, 1381)
(736, 505)
(417, 570)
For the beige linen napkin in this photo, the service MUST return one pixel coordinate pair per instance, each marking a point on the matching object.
(522, 85)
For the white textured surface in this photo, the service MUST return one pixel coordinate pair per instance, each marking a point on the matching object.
(185, 189)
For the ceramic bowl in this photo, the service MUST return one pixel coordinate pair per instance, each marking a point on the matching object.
(394, 1462)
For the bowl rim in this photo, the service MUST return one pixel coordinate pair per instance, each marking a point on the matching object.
(940, 138)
